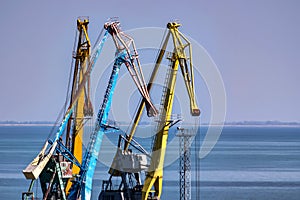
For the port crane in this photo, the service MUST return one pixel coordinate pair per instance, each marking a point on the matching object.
(53, 163)
(84, 109)
(180, 57)
(48, 164)
(126, 53)
(152, 186)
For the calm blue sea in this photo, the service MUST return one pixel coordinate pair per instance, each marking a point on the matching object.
(246, 163)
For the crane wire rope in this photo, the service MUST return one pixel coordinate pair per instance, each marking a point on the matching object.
(64, 108)
(68, 96)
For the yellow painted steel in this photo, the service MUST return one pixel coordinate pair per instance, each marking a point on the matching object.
(142, 104)
(154, 177)
(81, 64)
(149, 86)
(155, 171)
(78, 132)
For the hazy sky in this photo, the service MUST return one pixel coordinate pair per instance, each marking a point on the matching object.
(255, 45)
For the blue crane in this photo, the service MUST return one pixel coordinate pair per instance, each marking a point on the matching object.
(51, 146)
(125, 53)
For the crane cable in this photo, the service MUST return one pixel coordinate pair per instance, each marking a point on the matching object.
(64, 108)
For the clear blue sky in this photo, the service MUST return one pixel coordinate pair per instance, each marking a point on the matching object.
(255, 45)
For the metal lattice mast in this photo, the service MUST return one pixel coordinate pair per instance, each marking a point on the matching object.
(185, 163)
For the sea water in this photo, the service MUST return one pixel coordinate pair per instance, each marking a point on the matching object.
(246, 163)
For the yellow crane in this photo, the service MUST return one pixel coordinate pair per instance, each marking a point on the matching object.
(83, 109)
(180, 57)
(124, 159)
(59, 161)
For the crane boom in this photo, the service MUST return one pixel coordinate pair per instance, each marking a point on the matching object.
(84, 183)
(149, 86)
(82, 187)
(83, 67)
(83, 107)
(125, 164)
(124, 42)
(178, 58)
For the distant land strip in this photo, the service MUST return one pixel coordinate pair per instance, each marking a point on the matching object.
(235, 123)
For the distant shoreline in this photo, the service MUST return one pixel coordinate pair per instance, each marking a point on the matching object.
(27, 124)
(123, 124)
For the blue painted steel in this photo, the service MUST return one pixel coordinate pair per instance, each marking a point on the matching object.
(78, 184)
(94, 148)
(99, 47)
(70, 111)
(63, 124)
(91, 156)
(64, 151)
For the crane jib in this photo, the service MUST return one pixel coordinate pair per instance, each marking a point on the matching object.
(92, 153)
